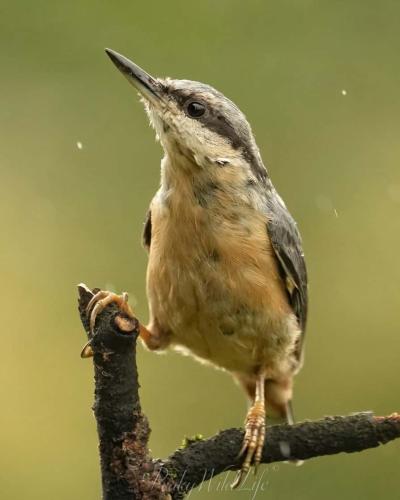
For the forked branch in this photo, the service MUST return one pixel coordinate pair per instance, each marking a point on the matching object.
(128, 470)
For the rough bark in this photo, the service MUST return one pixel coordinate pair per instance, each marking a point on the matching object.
(127, 469)
(205, 459)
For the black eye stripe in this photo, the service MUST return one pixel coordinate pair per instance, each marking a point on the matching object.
(215, 119)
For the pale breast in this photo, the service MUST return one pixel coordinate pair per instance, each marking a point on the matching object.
(213, 284)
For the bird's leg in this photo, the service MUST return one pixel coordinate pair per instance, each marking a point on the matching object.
(99, 302)
(254, 433)
(151, 338)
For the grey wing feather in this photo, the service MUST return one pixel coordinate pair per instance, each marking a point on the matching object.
(286, 242)
(146, 238)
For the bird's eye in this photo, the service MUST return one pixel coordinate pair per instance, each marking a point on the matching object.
(195, 109)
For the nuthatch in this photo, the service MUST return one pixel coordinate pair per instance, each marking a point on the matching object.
(226, 278)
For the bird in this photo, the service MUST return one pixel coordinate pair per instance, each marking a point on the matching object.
(226, 277)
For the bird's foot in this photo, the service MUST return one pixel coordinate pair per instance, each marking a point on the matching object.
(97, 304)
(253, 441)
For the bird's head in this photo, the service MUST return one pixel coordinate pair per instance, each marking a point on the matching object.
(196, 124)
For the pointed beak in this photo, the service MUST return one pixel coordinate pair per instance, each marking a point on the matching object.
(149, 87)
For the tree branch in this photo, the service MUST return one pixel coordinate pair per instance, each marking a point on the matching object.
(128, 471)
(203, 460)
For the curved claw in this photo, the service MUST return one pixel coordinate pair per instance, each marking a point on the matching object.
(101, 300)
(87, 351)
(96, 305)
(238, 479)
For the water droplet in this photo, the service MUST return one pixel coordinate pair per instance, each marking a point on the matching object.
(285, 448)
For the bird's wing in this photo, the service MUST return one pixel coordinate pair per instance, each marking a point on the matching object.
(286, 242)
(146, 237)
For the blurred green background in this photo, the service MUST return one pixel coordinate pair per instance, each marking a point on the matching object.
(319, 82)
